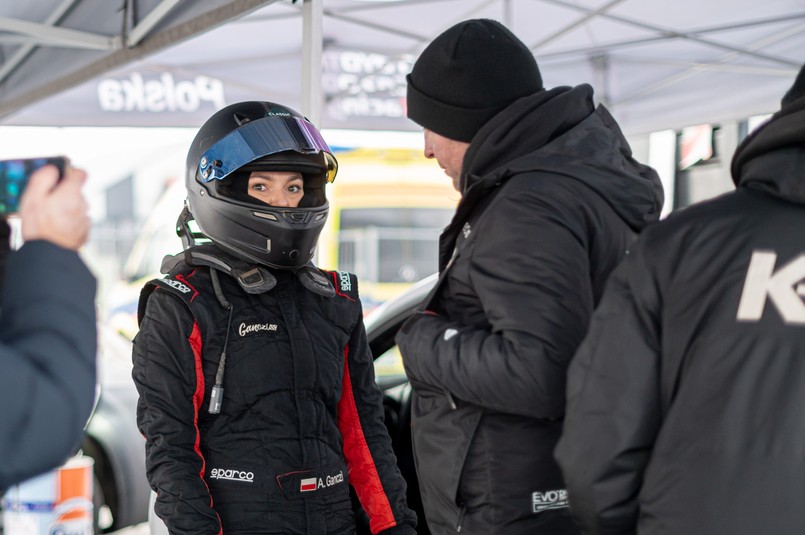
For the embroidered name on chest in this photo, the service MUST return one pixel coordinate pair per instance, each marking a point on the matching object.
(254, 328)
(316, 483)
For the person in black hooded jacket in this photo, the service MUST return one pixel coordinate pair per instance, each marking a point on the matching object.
(551, 200)
(685, 400)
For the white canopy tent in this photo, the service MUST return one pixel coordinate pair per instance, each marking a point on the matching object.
(656, 64)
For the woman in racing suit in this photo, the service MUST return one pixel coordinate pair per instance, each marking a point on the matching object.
(257, 393)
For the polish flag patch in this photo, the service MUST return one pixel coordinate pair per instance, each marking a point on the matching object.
(306, 485)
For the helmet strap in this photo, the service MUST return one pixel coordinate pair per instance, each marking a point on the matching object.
(253, 279)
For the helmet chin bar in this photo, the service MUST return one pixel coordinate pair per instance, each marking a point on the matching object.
(252, 279)
(286, 240)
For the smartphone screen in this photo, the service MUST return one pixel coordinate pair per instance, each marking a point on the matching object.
(14, 176)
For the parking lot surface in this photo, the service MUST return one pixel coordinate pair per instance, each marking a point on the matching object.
(139, 529)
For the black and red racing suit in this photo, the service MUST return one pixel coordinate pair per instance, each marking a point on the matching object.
(301, 417)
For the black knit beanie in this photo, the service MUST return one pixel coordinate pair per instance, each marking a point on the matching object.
(467, 75)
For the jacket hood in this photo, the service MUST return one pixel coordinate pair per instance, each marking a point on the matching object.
(560, 131)
(772, 158)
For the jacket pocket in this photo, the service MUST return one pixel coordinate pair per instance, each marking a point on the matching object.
(441, 436)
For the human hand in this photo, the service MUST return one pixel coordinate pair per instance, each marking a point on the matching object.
(55, 211)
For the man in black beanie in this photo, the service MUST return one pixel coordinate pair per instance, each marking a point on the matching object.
(685, 401)
(551, 201)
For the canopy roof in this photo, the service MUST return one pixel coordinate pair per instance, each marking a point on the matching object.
(656, 64)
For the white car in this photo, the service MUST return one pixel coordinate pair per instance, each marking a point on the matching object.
(111, 438)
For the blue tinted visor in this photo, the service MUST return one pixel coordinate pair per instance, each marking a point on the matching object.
(260, 138)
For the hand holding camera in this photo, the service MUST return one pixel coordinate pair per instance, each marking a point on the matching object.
(55, 210)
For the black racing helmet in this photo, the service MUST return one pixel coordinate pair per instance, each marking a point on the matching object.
(251, 136)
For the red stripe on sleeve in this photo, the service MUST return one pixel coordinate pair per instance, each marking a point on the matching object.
(198, 398)
(198, 395)
(362, 470)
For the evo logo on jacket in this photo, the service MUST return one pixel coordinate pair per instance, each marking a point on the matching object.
(550, 499)
(784, 288)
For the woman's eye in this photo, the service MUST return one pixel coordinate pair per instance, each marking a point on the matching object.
(294, 189)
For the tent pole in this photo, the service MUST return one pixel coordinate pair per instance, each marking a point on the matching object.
(19, 56)
(600, 64)
(312, 44)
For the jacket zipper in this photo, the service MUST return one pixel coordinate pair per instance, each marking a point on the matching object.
(461, 511)
(451, 400)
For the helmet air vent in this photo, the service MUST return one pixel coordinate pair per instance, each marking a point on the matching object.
(297, 217)
(270, 217)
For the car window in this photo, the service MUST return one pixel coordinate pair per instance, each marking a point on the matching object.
(389, 371)
(389, 363)
(391, 245)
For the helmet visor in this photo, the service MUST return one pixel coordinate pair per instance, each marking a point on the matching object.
(260, 138)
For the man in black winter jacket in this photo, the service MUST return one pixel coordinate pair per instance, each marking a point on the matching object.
(551, 200)
(47, 331)
(685, 401)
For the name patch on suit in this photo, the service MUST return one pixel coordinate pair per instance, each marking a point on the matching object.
(245, 329)
(315, 483)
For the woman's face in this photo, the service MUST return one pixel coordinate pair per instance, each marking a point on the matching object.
(277, 188)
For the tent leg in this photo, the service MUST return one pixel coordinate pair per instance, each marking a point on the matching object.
(312, 44)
